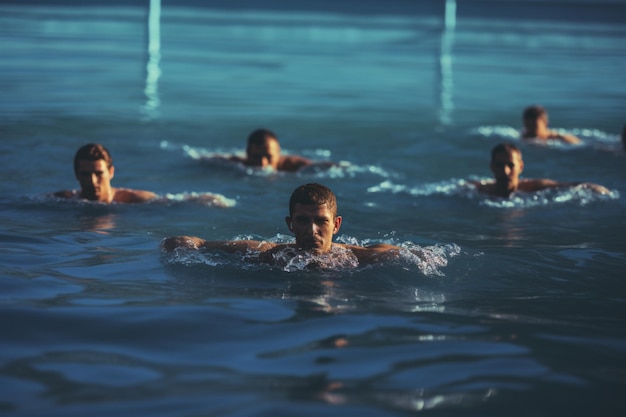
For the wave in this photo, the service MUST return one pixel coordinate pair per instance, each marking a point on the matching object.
(591, 138)
(426, 259)
(577, 195)
(323, 167)
(203, 198)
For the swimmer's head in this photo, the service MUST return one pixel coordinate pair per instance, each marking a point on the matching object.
(533, 116)
(92, 152)
(313, 194)
(263, 149)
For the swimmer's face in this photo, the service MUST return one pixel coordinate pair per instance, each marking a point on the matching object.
(264, 156)
(313, 227)
(506, 168)
(95, 180)
(535, 124)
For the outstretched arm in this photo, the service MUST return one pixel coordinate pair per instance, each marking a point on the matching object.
(597, 188)
(565, 137)
(230, 246)
(66, 194)
(376, 253)
(531, 185)
(293, 163)
(126, 195)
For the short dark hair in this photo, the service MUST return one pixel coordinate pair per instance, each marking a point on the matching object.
(92, 152)
(260, 136)
(533, 112)
(506, 148)
(313, 194)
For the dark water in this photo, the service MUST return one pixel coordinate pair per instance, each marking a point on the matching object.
(517, 309)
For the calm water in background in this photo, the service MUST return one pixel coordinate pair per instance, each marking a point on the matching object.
(526, 318)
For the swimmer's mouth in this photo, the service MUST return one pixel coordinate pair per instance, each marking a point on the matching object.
(312, 244)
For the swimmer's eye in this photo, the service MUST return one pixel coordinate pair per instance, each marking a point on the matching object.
(502, 165)
(318, 221)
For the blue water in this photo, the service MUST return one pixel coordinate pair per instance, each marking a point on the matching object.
(517, 309)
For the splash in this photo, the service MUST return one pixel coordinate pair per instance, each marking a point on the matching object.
(189, 257)
(339, 258)
(593, 138)
(578, 195)
(428, 260)
(323, 166)
(497, 132)
(449, 187)
(205, 199)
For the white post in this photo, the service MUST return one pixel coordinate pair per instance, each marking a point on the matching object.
(153, 71)
(445, 64)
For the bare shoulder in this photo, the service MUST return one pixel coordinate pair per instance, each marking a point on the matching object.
(268, 250)
(230, 246)
(487, 187)
(233, 158)
(189, 242)
(537, 184)
(374, 253)
(596, 188)
(126, 195)
(66, 194)
(293, 162)
(564, 137)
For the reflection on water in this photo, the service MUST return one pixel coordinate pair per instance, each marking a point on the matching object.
(102, 224)
(579, 196)
(446, 82)
(153, 71)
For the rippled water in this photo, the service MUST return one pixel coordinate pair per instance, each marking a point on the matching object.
(514, 307)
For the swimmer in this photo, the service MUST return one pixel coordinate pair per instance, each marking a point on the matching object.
(263, 150)
(535, 120)
(312, 219)
(93, 167)
(507, 165)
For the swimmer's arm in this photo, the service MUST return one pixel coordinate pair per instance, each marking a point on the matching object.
(125, 195)
(542, 184)
(483, 186)
(293, 163)
(267, 255)
(233, 158)
(374, 253)
(565, 137)
(65, 194)
(596, 188)
(224, 159)
(230, 246)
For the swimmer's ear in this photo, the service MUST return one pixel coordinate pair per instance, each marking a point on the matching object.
(338, 221)
(111, 171)
(289, 223)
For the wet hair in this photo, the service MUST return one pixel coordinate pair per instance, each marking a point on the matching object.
(313, 194)
(92, 152)
(260, 136)
(504, 148)
(533, 112)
